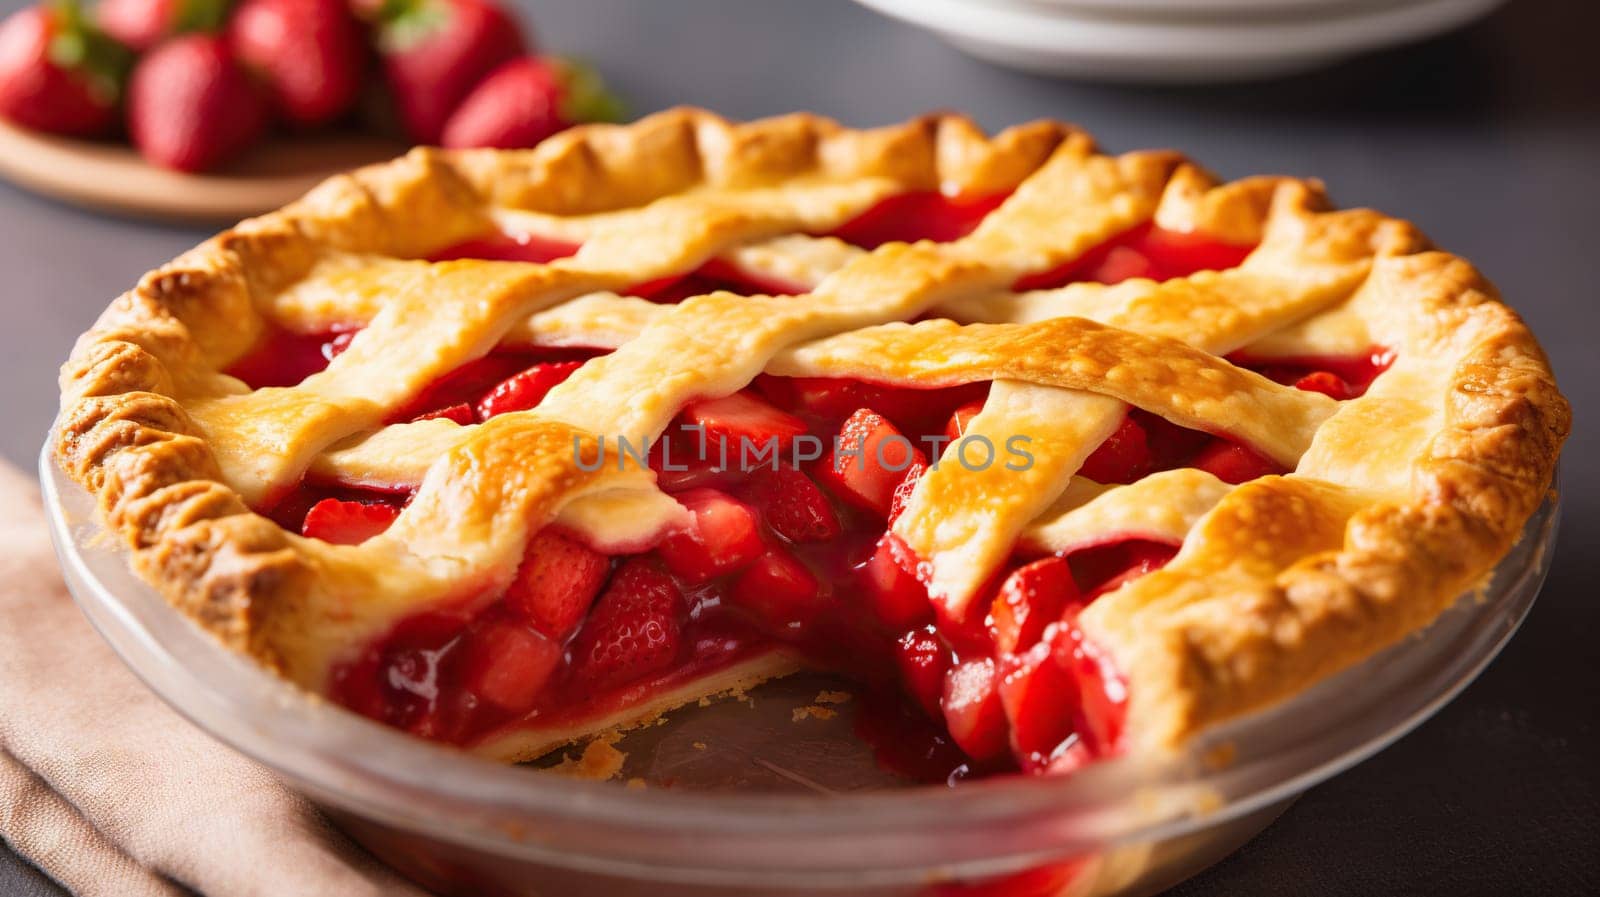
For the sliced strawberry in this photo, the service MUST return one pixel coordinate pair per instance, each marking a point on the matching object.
(723, 536)
(634, 629)
(923, 660)
(461, 413)
(1234, 463)
(1030, 599)
(823, 397)
(555, 583)
(890, 586)
(508, 665)
(779, 591)
(1105, 568)
(1071, 759)
(347, 522)
(972, 708)
(1327, 383)
(869, 458)
(1123, 458)
(1041, 702)
(1102, 693)
(680, 465)
(745, 430)
(526, 389)
(902, 492)
(956, 427)
(830, 400)
(1121, 263)
(793, 505)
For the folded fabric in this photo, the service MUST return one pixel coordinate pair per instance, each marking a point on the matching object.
(108, 790)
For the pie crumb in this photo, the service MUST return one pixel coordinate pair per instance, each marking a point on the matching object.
(815, 712)
(832, 697)
(599, 762)
(699, 745)
(637, 784)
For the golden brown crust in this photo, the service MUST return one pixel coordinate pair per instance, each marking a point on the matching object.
(1358, 552)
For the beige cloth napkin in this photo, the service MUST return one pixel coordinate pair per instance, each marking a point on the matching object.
(111, 792)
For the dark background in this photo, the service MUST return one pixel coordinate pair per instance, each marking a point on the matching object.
(1488, 138)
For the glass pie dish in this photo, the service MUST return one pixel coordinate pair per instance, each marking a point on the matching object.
(785, 801)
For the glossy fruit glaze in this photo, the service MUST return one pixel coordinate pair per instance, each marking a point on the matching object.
(793, 555)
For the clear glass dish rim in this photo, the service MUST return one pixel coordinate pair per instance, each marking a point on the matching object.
(987, 826)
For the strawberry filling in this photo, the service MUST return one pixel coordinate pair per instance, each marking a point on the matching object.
(790, 486)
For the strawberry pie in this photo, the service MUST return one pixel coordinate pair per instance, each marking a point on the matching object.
(1067, 454)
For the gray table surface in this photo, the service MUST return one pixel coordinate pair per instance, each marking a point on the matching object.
(1488, 138)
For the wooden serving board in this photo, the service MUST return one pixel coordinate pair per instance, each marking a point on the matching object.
(112, 176)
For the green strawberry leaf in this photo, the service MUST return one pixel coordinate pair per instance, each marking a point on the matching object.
(78, 46)
(585, 96)
(403, 24)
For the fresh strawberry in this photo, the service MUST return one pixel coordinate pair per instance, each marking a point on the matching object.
(57, 73)
(960, 419)
(1234, 463)
(555, 583)
(526, 100)
(141, 24)
(1119, 264)
(923, 660)
(972, 708)
(743, 429)
(526, 389)
(1030, 599)
(1122, 458)
(634, 629)
(792, 505)
(1327, 383)
(508, 665)
(309, 53)
(891, 587)
(869, 459)
(722, 537)
(779, 590)
(347, 522)
(436, 51)
(190, 105)
(1041, 701)
(461, 413)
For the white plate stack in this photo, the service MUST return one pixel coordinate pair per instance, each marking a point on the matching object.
(1178, 41)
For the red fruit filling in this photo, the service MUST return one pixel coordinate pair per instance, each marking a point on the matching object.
(504, 247)
(1144, 251)
(790, 486)
(909, 217)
